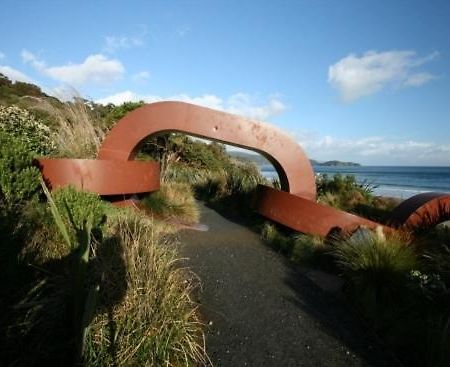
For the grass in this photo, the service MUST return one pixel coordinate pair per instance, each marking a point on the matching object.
(300, 248)
(143, 316)
(155, 323)
(78, 133)
(174, 201)
(374, 264)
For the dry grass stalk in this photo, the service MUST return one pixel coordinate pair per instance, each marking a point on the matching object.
(78, 133)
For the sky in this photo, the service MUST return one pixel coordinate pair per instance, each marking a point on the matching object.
(357, 80)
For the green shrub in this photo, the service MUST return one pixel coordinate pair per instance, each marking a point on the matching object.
(300, 248)
(115, 113)
(343, 192)
(378, 209)
(231, 190)
(307, 249)
(277, 240)
(19, 180)
(21, 124)
(184, 173)
(80, 207)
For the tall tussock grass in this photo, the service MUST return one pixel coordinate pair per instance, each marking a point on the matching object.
(156, 322)
(174, 200)
(374, 262)
(78, 133)
(107, 291)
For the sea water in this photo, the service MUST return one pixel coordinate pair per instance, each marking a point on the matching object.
(401, 182)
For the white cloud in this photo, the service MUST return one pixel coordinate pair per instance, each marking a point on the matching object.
(141, 77)
(15, 75)
(119, 98)
(416, 80)
(29, 58)
(375, 150)
(95, 69)
(114, 43)
(242, 104)
(239, 103)
(356, 77)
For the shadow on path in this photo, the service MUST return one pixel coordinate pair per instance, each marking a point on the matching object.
(263, 311)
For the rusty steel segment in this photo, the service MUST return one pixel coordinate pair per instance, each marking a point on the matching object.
(101, 176)
(289, 160)
(421, 211)
(304, 215)
(115, 173)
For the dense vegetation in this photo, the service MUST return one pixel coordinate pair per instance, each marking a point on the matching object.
(399, 283)
(85, 282)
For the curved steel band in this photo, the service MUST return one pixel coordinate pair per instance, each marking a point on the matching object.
(101, 176)
(115, 172)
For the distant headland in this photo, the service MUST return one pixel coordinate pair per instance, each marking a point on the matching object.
(261, 161)
(334, 163)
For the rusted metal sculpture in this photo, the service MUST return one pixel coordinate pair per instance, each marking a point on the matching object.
(305, 215)
(421, 211)
(104, 177)
(292, 165)
(115, 173)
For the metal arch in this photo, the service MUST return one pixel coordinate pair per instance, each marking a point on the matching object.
(289, 160)
(307, 216)
(421, 211)
(101, 177)
(115, 172)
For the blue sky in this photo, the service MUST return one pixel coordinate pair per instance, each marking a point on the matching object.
(367, 81)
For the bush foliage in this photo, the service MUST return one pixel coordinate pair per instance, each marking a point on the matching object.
(80, 207)
(34, 135)
(53, 273)
(19, 179)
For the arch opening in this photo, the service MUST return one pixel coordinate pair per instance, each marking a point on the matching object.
(287, 157)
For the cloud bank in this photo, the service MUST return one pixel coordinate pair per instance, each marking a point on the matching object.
(239, 103)
(355, 77)
(95, 69)
(15, 75)
(375, 150)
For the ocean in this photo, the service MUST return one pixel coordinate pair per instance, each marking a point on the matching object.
(401, 182)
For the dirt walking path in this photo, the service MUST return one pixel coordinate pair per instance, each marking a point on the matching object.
(263, 311)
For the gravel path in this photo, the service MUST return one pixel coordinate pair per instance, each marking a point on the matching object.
(263, 311)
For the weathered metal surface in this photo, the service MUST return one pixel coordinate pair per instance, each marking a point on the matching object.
(101, 176)
(421, 211)
(306, 216)
(115, 172)
(289, 160)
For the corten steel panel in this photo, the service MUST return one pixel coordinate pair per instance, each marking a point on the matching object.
(305, 215)
(101, 176)
(292, 165)
(114, 173)
(421, 211)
